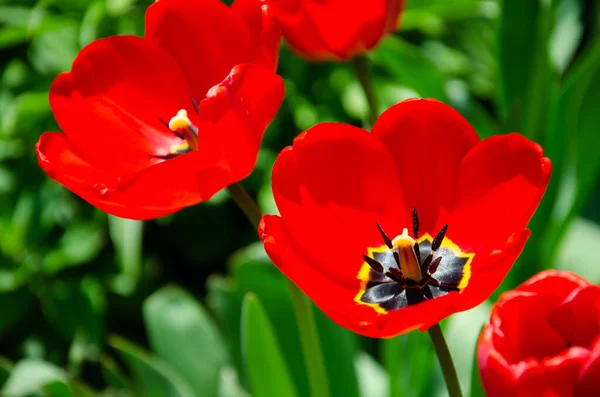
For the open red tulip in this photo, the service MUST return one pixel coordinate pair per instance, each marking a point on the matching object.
(155, 124)
(348, 235)
(336, 29)
(543, 339)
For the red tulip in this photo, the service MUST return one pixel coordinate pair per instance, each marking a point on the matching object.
(155, 124)
(348, 235)
(336, 29)
(543, 339)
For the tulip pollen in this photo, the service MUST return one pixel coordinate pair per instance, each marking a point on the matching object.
(182, 126)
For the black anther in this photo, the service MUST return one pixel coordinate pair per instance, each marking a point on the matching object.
(375, 265)
(439, 237)
(386, 239)
(434, 265)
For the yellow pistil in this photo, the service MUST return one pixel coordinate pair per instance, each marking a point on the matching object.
(184, 127)
(409, 264)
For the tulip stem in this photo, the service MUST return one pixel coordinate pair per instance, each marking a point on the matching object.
(441, 349)
(240, 195)
(361, 68)
(305, 317)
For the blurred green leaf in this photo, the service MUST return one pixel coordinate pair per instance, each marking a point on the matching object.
(78, 305)
(525, 69)
(576, 166)
(410, 67)
(13, 304)
(153, 377)
(57, 389)
(92, 21)
(372, 378)
(119, 7)
(6, 368)
(127, 235)
(567, 33)
(52, 52)
(112, 373)
(80, 244)
(173, 316)
(30, 376)
(574, 253)
(409, 377)
(23, 115)
(267, 370)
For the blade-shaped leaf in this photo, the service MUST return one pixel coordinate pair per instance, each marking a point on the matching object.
(182, 333)
(266, 367)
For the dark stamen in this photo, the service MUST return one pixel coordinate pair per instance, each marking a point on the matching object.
(434, 265)
(166, 156)
(196, 106)
(426, 262)
(378, 267)
(396, 258)
(386, 239)
(397, 275)
(415, 220)
(437, 241)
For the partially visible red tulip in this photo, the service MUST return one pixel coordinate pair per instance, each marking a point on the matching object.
(336, 29)
(543, 339)
(155, 124)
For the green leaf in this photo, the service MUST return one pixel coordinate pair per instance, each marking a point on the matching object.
(77, 306)
(57, 389)
(574, 253)
(127, 237)
(6, 368)
(373, 380)
(409, 66)
(267, 370)
(80, 244)
(567, 34)
(112, 374)
(411, 377)
(30, 376)
(53, 52)
(173, 316)
(13, 304)
(153, 377)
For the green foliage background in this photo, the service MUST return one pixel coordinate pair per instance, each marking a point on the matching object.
(95, 305)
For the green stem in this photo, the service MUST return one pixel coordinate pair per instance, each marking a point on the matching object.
(311, 345)
(441, 349)
(246, 203)
(309, 336)
(361, 68)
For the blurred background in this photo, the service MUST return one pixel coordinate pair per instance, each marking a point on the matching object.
(95, 305)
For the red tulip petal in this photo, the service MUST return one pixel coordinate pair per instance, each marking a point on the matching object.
(331, 188)
(553, 282)
(428, 141)
(156, 191)
(500, 184)
(488, 270)
(497, 375)
(234, 116)
(577, 319)
(562, 371)
(524, 324)
(205, 36)
(338, 301)
(261, 21)
(589, 375)
(111, 103)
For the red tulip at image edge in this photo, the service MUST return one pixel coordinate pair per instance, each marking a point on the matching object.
(336, 29)
(349, 238)
(154, 124)
(543, 339)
